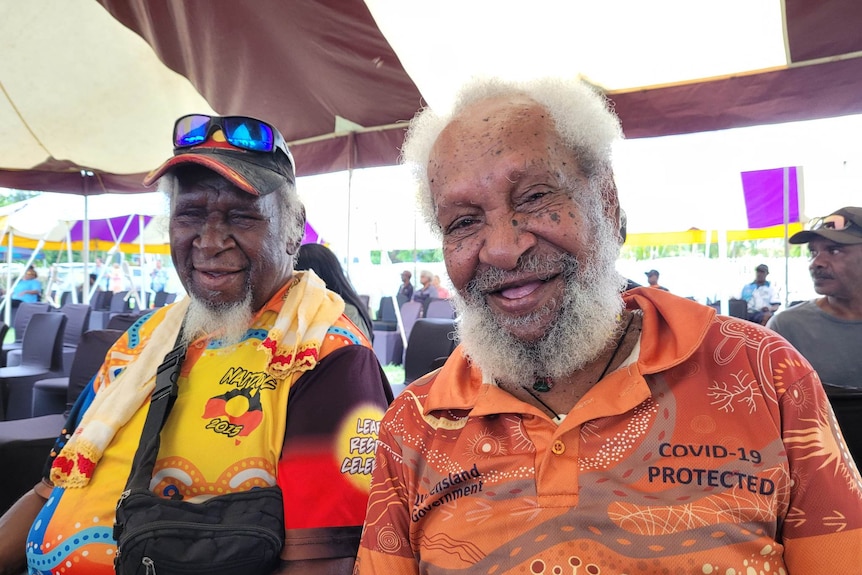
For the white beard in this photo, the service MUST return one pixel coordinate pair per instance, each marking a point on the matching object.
(586, 321)
(228, 323)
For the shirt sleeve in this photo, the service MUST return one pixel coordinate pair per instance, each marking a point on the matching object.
(817, 525)
(385, 544)
(333, 417)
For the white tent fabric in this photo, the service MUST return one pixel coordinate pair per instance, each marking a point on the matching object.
(50, 217)
(124, 99)
(615, 45)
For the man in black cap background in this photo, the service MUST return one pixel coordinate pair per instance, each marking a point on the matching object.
(652, 280)
(256, 334)
(828, 330)
(761, 296)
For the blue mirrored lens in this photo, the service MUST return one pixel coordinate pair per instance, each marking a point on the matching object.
(191, 131)
(248, 134)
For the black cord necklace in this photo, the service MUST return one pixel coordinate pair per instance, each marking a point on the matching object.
(543, 384)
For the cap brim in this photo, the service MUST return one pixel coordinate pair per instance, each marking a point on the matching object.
(242, 169)
(837, 236)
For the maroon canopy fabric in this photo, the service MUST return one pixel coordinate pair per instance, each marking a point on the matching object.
(305, 64)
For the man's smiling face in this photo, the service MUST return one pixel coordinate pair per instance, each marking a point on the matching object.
(503, 184)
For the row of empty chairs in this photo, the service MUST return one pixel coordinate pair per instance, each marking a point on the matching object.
(47, 348)
(41, 356)
(25, 443)
(77, 321)
(107, 304)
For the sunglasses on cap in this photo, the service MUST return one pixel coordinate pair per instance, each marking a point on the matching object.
(240, 132)
(833, 222)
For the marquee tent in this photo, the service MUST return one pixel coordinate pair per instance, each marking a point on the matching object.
(117, 223)
(90, 88)
(52, 221)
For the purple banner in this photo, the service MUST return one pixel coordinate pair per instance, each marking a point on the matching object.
(311, 236)
(108, 228)
(764, 196)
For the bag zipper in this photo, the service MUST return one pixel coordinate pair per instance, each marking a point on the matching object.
(153, 528)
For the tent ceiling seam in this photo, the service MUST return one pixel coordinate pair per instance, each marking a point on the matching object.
(23, 121)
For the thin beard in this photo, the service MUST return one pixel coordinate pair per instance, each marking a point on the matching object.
(228, 322)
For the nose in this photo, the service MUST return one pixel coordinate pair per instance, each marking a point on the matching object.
(505, 241)
(214, 234)
(818, 261)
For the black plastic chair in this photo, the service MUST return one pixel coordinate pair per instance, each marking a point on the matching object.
(41, 357)
(26, 443)
(387, 319)
(77, 321)
(161, 298)
(4, 329)
(411, 311)
(23, 314)
(117, 303)
(57, 394)
(847, 405)
(431, 343)
(123, 321)
(737, 308)
(442, 308)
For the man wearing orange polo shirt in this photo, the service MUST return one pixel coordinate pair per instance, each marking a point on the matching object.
(576, 428)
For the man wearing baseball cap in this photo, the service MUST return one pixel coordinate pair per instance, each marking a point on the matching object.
(761, 296)
(652, 280)
(256, 334)
(828, 330)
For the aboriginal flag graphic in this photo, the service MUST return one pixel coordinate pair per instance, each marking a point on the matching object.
(240, 407)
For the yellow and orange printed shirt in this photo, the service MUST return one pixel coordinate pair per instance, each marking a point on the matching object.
(715, 452)
(227, 432)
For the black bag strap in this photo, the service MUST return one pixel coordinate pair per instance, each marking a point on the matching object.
(161, 401)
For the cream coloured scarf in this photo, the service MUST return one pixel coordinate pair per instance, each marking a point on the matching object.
(292, 344)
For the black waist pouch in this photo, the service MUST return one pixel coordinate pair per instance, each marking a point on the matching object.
(233, 534)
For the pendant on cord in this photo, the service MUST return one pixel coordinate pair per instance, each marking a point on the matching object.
(543, 384)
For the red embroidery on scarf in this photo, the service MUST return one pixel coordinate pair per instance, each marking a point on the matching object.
(307, 357)
(276, 358)
(85, 466)
(63, 464)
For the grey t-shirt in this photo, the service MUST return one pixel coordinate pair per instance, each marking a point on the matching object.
(832, 345)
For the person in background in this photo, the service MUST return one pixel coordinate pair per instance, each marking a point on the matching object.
(255, 333)
(828, 330)
(578, 428)
(427, 291)
(158, 277)
(93, 289)
(325, 264)
(405, 290)
(28, 289)
(115, 279)
(101, 273)
(442, 292)
(761, 296)
(652, 280)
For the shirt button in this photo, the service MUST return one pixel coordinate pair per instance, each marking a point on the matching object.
(558, 448)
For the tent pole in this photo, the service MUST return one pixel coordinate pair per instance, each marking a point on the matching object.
(69, 258)
(351, 145)
(7, 312)
(85, 291)
(141, 261)
(786, 190)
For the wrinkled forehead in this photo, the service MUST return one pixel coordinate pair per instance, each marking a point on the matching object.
(494, 138)
(487, 124)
